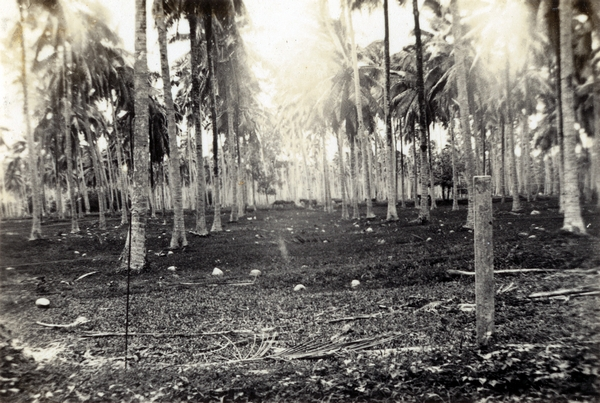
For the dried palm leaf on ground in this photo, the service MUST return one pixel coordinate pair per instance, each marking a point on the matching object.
(80, 320)
(578, 291)
(152, 334)
(357, 317)
(320, 349)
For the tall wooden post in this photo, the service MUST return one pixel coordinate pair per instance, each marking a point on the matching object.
(484, 259)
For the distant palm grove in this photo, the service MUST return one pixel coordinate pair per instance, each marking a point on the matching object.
(506, 88)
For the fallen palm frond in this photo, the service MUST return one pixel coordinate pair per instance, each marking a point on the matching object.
(153, 334)
(76, 322)
(506, 288)
(507, 271)
(207, 284)
(85, 275)
(318, 349)
(384, 352)
(571, 292)
(357, 317)
(253, 354)
(513, 271)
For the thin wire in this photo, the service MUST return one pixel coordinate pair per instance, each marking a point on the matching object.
(127, 294)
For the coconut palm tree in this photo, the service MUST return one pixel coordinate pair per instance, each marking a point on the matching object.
(392, 214)
(195, 58)
(572, 208)
(178, 238)
(463, 104)
(134, 253)
(516, 203)
(362, 136)
(36, 226)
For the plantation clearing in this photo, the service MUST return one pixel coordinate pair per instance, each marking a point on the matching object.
(405, 330)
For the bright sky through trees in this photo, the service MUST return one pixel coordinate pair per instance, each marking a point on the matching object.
(281, 39)
(278, 33)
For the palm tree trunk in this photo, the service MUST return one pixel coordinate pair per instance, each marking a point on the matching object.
(68, 143)
(525, 160)
(178, 238)
(572, 208)
(82, 180)
(216, 227)
(516, 204)
(353, 177)
(345, 214)
(430, 167)
(424, 214)
(59, 208)
(36, 225)
(240, 180)
(501, 171)
(134, 253)
(360, 132)
(201, 228)
(121, 173)
(392, 213)
(415, 188)
(111, 181)
(233, 216)
(326, 181)
(461, 83)
(96, 166)
(454, 172)
(402, 174)
(595, 151)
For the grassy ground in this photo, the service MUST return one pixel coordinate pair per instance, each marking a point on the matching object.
(402, 335)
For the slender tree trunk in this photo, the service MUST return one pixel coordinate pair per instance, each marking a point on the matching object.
(122, 175)
(454, 173)
(345, 214)
(111, 182)
(392, 213)
(595, 151)
(525, 160)
(58, 189)
(86, 197)
(501, 172)
(216, 226)
(360, 132)
(241, 180)
(96, 166)
(402, 174)
(353, 177)
(69, 141)
(424, 213)
(516, 204)
(430, 167)
(572, 208)
(233, 216)
(415, 168)
(36, 226)
(201, 228)
(461, 83)
(377, 170)
(134, 253)
(178, 238)
(326, 180)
